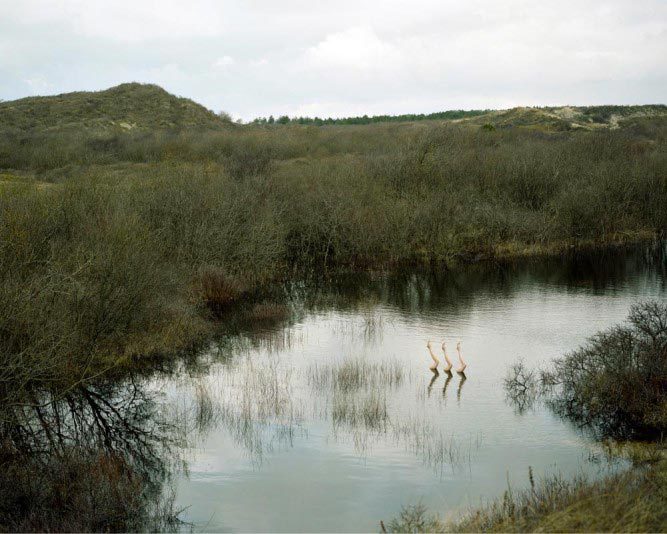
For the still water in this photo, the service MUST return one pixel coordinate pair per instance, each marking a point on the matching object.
(332, 421)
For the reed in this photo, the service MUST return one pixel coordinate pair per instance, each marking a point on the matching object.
(356, 374)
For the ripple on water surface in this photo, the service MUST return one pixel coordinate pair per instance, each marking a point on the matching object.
(337, 422)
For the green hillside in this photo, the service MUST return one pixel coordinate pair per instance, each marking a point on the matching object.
(568, 117)
(135, 106)
(127, 106)
(544, 118)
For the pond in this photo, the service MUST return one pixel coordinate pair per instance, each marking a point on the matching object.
(332, 420)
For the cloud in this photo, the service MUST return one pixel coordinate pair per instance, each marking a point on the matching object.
(123, 20)
(357, 49)
(38, 85)
(224, 62)
(345, 57)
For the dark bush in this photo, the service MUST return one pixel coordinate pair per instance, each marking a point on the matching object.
(219, 290)
(617, 382)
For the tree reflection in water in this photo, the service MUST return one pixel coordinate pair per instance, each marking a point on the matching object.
(100, 457)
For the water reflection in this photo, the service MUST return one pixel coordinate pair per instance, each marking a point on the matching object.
(376, 429)
(331, 419)
(447, 381)
(454, 292)
(436, 374)
(460, 388)
(521, 387)
(121, 418)
(101, 457)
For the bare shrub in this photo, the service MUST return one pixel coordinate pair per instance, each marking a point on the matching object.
(219, 290)
(269, 311)
(521, 386)
(617, 382)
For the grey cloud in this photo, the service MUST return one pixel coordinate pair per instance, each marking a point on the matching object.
(340, 58)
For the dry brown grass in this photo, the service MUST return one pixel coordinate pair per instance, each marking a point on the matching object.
(632, 501)
(269, 311)
(218, 290)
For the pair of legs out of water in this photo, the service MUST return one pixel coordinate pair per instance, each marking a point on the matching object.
(448, 363)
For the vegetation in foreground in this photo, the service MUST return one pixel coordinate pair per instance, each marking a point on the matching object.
(80, 491)
(632, 501)
(616, 385)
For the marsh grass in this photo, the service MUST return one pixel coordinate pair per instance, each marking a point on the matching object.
(269, 312)
(368, 324)
(258, 407)
(432, 446)
(258, 400)
(205, 412)
(631, 501)
(253, 401)
(367, 411)
(355, 392)
(356, 374)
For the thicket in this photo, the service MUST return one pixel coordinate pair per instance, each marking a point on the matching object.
(93, 459)
(617, 382)
(118, 245)
(615, 385)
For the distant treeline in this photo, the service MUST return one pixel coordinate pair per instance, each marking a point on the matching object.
(598, 114)
(365, 119)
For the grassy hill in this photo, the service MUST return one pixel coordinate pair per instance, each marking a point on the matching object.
(544, 118)
(135, 106)
(568, 117)
(125, 107)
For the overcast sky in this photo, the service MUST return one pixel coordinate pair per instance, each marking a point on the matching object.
(344, 57)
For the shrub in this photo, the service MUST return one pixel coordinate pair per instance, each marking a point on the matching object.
(107, 233)
(269, 312)
(616, 384)
(632, 501)
(219, 290)
(93, 459)
(77, 492)
(414, 518)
